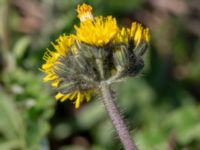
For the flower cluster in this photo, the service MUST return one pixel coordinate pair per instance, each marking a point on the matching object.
(99, 51)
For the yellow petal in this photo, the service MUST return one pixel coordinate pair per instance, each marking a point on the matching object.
(66, 96)
(59, 95)
(78, 100)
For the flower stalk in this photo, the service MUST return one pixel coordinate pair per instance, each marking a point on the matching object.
(116, 118)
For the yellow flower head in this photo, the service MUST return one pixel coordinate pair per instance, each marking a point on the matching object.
(84, 12)
(62, 46)
(98, 32)
(97, 51)
(136, 33)
(51, 57)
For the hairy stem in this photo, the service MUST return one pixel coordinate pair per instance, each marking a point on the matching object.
(117, 120)
(116, 76)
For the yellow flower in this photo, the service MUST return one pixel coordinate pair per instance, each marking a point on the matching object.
(84, 12)
(61, 46)
(99, 32)
(74, 67)
(136, 33)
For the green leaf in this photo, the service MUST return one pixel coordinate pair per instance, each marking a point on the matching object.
(21, 45)
(12, 128)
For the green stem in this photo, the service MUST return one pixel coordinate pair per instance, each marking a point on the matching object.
(116, 118)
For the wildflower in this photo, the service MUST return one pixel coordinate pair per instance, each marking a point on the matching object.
(84, 12)
(99, 51)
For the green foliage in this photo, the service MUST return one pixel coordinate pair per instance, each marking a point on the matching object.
(24, 111)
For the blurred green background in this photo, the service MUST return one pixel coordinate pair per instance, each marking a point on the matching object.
(161, 106)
